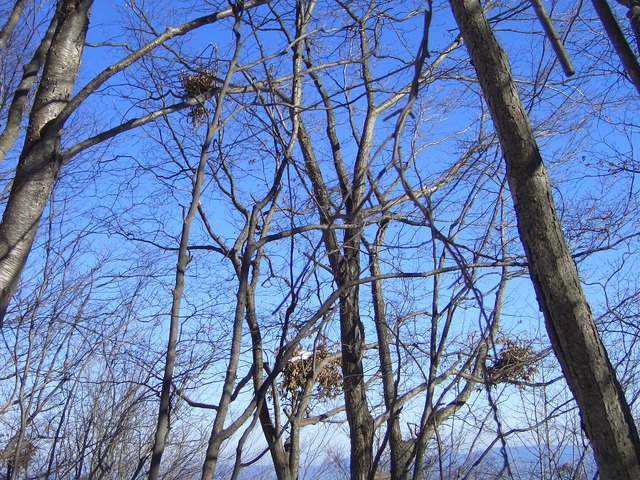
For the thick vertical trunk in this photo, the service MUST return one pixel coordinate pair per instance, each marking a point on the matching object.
(352, 337)
(345, 266)
(40, 160)
(588, 371)
(399, 450)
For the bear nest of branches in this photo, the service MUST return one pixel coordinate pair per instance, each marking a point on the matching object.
(516, 362)
(26, 453)
(194, 85)
(328, 381)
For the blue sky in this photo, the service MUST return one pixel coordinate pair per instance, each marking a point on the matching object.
(128, 197)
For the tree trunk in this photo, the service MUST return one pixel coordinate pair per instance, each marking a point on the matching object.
(587, 369)
(618, 40)
(164, 412)
(11, 22)
(352, 337)
(633, 14)
(22, 93)
(345, 268)
(398, 449)
(40, 159)
(634, 20)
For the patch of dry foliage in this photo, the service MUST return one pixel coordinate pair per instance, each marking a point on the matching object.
(328, 379)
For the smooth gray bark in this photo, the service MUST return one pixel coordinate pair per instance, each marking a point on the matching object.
(40, 160)
(11, 22)
(575, 340)
(11, 130)
(553, 37)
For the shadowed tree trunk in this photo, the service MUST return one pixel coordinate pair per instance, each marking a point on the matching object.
(345, 265)
(617, 38)
(582, 356)
(11, 22)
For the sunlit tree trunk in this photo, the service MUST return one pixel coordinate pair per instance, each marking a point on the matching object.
(11, 22)
(40, 160)
(575, 340)
(22, 93)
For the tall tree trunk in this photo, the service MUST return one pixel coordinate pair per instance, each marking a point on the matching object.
(11, 22)
(633, 14)
(345, 268)
(618, 40)
(359, 417)
(164, 412)
(399, 450)
(13, 122)
(40, 160)
(587, 369)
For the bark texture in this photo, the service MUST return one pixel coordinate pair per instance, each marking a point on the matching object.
(345, 265)
(618, 40)
(633, 14)
(13, 125)
(40, 160)
(587, 369)
(11, 22)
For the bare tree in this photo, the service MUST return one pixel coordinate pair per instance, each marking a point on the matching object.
(41, 157)
(589, 373)
(295, 239)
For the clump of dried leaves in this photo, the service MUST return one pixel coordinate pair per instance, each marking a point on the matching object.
(328, 381)
(516, 361)
(193, 85)
(25, 454)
